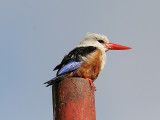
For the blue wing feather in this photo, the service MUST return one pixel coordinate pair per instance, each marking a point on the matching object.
(71, 66)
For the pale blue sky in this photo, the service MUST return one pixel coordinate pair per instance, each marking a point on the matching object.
(36, 34)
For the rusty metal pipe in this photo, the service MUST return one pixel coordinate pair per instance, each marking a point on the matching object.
(73, 99)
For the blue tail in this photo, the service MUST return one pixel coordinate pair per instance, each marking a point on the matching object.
(54, 80)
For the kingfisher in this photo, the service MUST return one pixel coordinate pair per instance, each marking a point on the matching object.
(86, 60)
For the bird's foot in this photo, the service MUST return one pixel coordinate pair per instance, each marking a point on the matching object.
(91, 83)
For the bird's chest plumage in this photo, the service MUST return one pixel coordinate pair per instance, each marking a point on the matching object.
(91, 67)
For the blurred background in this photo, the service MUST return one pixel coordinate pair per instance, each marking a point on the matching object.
(36, 34)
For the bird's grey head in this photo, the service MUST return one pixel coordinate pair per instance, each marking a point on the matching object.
(96, 40)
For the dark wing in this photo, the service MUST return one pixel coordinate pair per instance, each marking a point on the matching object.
(75, 55)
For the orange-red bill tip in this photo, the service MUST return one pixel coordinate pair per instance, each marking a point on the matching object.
(112, 46)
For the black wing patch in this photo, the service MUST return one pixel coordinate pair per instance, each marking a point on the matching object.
(75, 55)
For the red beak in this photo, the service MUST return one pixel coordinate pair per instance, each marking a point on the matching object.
(112, 46)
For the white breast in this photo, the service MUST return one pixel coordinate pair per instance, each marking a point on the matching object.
(104, 57)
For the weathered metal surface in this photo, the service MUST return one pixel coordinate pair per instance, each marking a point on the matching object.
(73, 99)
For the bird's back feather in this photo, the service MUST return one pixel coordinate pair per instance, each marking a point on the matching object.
(76, 55)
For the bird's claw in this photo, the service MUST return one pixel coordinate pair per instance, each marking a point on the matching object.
(91, 83)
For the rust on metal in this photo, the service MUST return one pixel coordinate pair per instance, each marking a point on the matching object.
(73, 99)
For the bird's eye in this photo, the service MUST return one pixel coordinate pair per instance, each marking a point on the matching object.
(100, 41)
